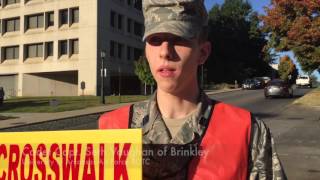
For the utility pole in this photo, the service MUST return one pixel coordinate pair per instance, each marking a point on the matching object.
(202, 78)
(103, 74)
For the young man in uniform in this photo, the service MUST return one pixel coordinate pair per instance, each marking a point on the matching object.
(235, 145)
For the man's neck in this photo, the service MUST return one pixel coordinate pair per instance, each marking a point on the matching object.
(177, 106)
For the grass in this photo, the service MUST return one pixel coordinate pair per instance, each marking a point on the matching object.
(42, 104)
(220, 86)
(310, 99)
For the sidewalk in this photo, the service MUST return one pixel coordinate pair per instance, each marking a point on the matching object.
(31, 118)
(297, 139)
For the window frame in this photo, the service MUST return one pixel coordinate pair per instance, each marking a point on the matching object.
(39, 21)
(15, 53)
(16, 24)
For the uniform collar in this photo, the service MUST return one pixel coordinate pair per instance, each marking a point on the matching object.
(153, 112)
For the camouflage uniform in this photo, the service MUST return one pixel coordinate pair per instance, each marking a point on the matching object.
(263, 162)
(187, 19)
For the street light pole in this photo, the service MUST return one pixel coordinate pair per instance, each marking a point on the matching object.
(102, 55)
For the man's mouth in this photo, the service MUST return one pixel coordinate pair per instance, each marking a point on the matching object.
(166, 72)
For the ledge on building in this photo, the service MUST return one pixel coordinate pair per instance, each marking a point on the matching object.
(34, 60)
(64, 27)
(9, 61)
(31, 2)
(74, 25)
(10, 34)
(74, 57)
(10, 6)
(34, 31)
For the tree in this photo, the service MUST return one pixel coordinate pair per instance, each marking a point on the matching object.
(294, 25)
(287, 70)
(238, 43)
(314, 80)
(142, 70)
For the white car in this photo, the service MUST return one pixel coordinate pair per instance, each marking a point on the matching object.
(303, 81)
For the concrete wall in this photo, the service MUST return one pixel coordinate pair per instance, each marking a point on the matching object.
(9, 84)
(50, 84)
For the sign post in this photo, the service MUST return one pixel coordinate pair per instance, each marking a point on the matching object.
(102, 55)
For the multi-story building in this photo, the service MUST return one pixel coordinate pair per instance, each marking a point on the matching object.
(51, 47)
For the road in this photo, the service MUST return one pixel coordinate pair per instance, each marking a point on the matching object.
(252, 100)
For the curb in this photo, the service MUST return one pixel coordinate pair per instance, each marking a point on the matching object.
(94, 113)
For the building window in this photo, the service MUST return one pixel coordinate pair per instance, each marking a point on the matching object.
(75, 46)
(11, 52)
(75, 15)
(120, 17)
(112, 18)
(129, 2)
(34, 50)
(34, 21)
(138, 5)
(49, 49)
(137, 53)
(63, 17)
(138, 29)
(12, 25)
(129, 53)
(8, 2)
(112, 48)
(129, 25)
(63, 47)
(50, 19)
(120, 50)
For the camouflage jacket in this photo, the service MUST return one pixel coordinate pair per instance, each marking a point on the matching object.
(264, 163)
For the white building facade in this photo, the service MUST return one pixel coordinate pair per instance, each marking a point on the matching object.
(48, 47)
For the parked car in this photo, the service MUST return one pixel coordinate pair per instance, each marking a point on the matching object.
(265, 79)
(278, 88)
(304, 80)
(252, 84)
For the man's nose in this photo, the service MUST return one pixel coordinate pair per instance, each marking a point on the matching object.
(166, 50)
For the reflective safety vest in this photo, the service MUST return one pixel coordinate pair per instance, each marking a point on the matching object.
(225, 143)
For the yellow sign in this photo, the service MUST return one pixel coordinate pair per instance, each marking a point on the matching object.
(87, 155)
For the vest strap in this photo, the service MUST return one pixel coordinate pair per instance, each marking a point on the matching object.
(116, 119)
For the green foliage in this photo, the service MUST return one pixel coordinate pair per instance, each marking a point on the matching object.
(294, 25)
(314, 80)
(287, 70)
(142, 70)
(239, 45)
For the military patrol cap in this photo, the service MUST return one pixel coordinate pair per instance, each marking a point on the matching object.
(184, 18)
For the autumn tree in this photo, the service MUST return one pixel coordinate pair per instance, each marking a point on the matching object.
(293, 25)
(287, 70)
(142, 70)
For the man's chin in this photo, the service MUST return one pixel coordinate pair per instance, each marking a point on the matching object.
(168, 88)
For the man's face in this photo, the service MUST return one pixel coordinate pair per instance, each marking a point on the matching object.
(174, 61)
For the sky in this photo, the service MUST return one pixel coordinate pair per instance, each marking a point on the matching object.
(258, 5)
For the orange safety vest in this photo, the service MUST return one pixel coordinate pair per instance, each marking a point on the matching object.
(225, 142)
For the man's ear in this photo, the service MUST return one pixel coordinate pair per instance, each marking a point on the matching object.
(205, 50)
